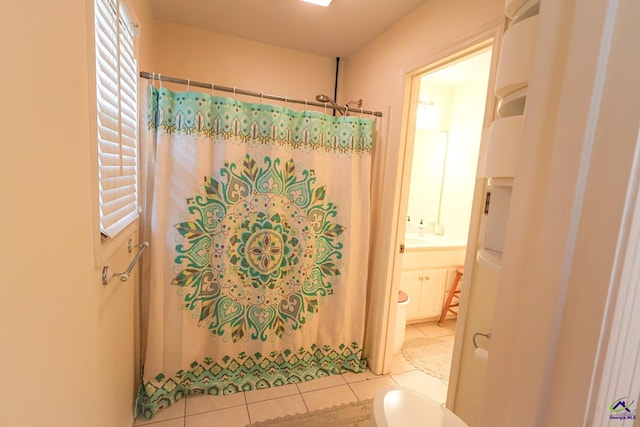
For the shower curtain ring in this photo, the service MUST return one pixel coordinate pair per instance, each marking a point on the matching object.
(325, 108)
(188, 85)
(160, 80)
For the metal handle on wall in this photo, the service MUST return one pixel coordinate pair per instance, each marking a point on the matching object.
(107, 275)
(479, 334)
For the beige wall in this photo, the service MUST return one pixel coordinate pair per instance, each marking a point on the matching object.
(205, 56)
(141, 10)
(377, 74)
(67, 341)
(51, 292)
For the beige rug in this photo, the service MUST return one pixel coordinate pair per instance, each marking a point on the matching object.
(356, 414)
(430, 355)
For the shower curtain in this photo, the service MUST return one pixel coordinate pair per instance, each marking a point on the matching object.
(259, 226)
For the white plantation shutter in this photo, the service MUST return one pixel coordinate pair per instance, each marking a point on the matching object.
(116, 84)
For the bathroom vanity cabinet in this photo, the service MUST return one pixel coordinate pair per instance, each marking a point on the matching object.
(426, 292)
(427, 275)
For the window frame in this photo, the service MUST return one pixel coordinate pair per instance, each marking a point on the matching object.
(127, 23)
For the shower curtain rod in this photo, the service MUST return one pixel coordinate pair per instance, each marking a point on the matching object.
(234, 90)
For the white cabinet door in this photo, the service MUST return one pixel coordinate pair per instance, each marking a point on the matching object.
(426, 292)
(410, 284)
(432, 292)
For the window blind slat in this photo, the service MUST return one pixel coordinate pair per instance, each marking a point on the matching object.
(107, 88)
(119, 216)
(119, 181)
(129, 127)
(114, 210)
(115, 215)
(128, 155)
(109, 171)
(106, 118)
(117, 221)
(128, 152)
(106, 80)
(108, 148)
(114, 198)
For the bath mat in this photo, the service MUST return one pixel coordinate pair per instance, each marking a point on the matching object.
(355, 414)
(430, 355)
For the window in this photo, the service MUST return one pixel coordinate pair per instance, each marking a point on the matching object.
(116, 90)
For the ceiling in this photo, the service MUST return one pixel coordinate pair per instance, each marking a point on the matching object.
(335, 31)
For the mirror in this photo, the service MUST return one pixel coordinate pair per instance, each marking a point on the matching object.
(427, 178)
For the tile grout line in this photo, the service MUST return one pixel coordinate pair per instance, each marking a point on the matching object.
(184, 417)
(354, 393)
(304, 402)
(246, 408)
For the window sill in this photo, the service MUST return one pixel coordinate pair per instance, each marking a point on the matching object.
(107, 248)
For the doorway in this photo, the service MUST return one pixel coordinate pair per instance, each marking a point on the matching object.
(443, 138)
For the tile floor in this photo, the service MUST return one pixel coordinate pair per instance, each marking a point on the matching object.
(240, 409)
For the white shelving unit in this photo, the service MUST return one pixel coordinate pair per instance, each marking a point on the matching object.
(507, 130)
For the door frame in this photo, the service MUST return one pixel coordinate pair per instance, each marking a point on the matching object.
(488, 35)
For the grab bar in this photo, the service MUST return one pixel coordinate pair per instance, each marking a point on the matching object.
(107, 275)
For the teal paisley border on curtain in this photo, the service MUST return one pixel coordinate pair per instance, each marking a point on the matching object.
(246, 373)
(194, 113)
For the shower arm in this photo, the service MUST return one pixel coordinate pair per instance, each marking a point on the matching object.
(351, 104)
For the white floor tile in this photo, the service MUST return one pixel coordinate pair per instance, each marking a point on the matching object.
(434, 331)
(271, 393)
(320, 383)
(326, 398)
(412, 331)
(352, 377)
(400, 364)
(176, 422)
(230, 417)
(426, 384)
(199, 403)
(274, 408)
(367, 389)
(174, 411)
(448, 338)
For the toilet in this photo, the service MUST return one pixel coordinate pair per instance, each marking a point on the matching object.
(404, 407)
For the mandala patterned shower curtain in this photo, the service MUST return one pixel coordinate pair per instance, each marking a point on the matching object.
(259, 246)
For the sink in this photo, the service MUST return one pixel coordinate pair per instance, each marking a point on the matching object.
(412, 240)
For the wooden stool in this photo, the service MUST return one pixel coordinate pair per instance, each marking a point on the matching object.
(446, 308)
